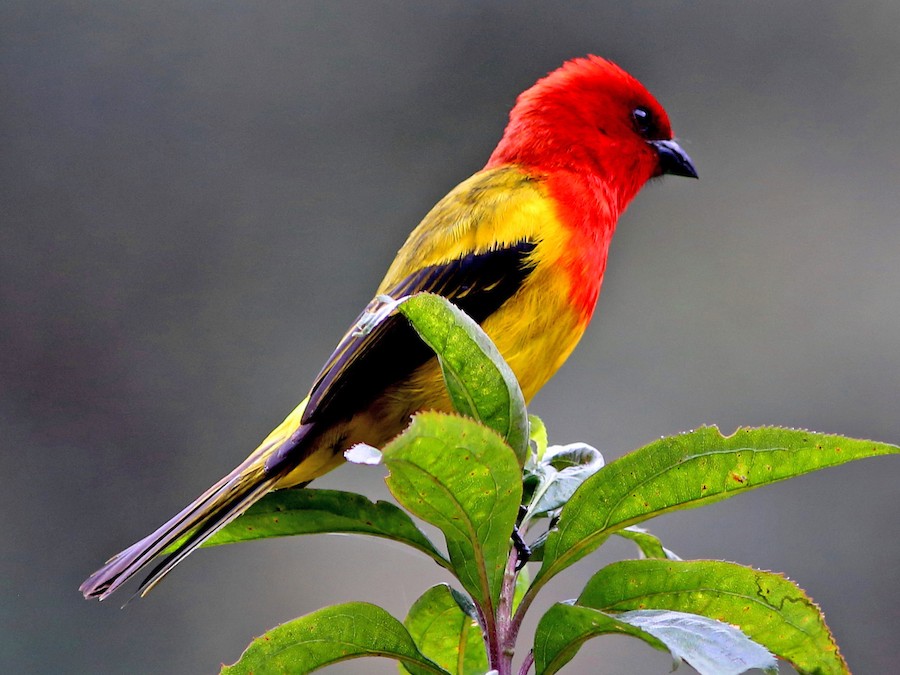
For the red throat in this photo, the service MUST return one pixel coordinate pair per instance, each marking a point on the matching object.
(587, 209)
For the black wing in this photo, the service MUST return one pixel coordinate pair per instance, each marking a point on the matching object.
(368, 361)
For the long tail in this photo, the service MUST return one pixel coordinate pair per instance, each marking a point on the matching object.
(212, 511)
(206, 515)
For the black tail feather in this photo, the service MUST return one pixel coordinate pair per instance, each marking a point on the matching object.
(225, 515)
(214, 509)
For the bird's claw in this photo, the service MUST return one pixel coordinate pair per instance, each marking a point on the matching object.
(523, 551)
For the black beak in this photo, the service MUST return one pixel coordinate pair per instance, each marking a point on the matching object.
(673, 160)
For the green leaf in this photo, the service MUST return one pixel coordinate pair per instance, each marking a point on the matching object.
(288, 512)
(462, 478)
(559, 473)
(649, 545)
(481, 384)
(537, 432)
(332, 634)
(770, 609)
(710, 647)
(685, 471)
(564, 628)
(446, 634)
(523, 583)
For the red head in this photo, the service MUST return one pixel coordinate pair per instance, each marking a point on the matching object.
(590, 116)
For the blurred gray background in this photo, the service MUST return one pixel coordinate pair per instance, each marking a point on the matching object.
(197, 198)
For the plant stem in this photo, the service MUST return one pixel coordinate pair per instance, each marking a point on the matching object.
(527, 663)
(489, 626)
(507, 629)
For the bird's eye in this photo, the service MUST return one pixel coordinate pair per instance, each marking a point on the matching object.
(643, 121)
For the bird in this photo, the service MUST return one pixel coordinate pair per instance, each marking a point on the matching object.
(521, 246)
